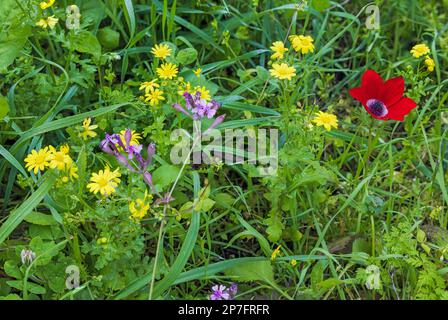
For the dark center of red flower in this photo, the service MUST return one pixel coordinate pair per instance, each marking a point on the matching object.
(377, 108)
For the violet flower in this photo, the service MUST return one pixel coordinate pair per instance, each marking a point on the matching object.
(197, 108)
(123, 151)
(219, 293)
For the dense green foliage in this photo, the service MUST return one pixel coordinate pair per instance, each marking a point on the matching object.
(356, 212)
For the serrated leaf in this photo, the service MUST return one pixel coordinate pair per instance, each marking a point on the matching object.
(275, 228)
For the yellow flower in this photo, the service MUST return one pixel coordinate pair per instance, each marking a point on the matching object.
(167, 71)
(38, 160)
(302, 43)
(197, 72)
(104, 182)
(45, 5)
(65, 148)
(325, 119)
(205, 94)
(184, 87)
(161, 51)
(60, 160)
(419, 50)
(88, 129)
(282, 71)
(140, 207)
(154, 97)
(279, 49)
(149, 85)
(293, 262)
(48, 22)
(135, 137)
(430, 64)
(275, 253)
(71, 173)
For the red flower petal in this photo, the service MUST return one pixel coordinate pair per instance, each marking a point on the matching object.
(392, 91)
(359, 94)
(401, 109)
(372, 84)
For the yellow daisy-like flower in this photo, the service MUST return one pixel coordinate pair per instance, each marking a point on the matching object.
(38, 160)
(59, 160)
(275, 253)
(45, 5)
(197, 72)
(293, 262)
(135, 137)
(301, 43)
(282, 71)
(154, 97)
(205, 94)
(430, 64)
(161, 51)
(279, 49)
(49, 22)
(87, 129)
(327, 120)
(167, 71)
(104, 182)
(140, 207)
(149, 85)
(419, 50)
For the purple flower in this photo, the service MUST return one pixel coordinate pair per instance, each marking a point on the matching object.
(200, 108)
(219, 293)
(133, 150)
(123, 152)
(233, 289)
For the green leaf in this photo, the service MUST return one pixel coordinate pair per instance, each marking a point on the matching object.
(361, 245)
(11, 296)
(17, 215)
(86, 42)
(320, 5)
(165, 175)
(32, 287)
(186, 56)
(4, 106)
(40, 219)
(109, 38)
(12, 270)
(275, 227)
(10, 158)
(252, 271)
(11, 43)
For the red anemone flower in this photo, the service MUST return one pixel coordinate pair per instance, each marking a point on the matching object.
(383, 100)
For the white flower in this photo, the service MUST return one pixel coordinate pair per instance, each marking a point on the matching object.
(27, 256)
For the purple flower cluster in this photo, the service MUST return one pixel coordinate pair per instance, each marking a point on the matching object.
(197, 108)
(124, 152)
(221, 292)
